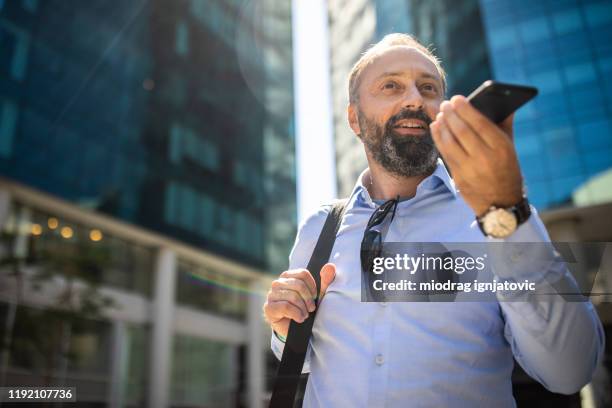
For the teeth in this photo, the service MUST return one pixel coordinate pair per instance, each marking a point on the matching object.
(411, 126)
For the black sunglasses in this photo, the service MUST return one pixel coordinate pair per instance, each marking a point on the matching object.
(371, 244)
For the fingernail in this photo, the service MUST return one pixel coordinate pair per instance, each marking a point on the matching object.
(311, 306)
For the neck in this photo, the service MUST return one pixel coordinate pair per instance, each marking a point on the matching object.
(383, 185)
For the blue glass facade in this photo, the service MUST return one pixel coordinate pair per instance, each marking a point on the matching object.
(173, 115)
(452, 29)
(564, 136)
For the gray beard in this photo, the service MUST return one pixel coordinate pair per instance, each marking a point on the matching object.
(404, 156)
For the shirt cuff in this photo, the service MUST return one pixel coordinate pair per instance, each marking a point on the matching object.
(277, 345)
(526, 254)
(280, 337)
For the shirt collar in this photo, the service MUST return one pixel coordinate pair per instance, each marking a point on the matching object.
(439, 176)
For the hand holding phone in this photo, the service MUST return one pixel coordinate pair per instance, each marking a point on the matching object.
(497, 100)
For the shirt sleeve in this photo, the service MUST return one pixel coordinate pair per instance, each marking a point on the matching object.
(557, 341)
(305, 241)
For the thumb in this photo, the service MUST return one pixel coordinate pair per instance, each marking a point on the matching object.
(328, 274)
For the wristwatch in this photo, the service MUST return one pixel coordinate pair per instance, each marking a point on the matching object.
(502, 222)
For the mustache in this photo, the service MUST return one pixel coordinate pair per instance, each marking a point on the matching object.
(409, 114)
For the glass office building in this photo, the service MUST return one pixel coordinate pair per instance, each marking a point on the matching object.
(147, 160)
(441, 25)
(352, 28)
(175, 116)
(563, 137)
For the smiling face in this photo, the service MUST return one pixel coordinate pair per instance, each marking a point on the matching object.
(398, 97)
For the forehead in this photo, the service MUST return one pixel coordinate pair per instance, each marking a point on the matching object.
(401, 59)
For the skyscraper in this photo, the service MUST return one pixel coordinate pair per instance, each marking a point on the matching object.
(149, 143)
(352, 28)
(564, 136)
(176, 116)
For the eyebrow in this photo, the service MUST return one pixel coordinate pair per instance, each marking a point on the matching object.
(399, 74)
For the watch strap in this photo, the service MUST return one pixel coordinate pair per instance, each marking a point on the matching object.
(521, 211)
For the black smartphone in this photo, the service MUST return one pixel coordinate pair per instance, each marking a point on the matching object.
(497, 100)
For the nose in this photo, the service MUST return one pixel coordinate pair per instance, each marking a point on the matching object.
(412, 98)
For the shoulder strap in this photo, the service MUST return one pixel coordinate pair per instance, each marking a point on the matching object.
(296, 345)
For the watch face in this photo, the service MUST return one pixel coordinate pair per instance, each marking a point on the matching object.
(499, 223)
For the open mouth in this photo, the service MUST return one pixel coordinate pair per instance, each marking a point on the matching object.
(413, 124)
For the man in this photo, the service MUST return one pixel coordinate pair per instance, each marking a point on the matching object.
(429, 354)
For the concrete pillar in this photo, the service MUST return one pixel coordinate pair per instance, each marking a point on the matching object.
(256, 347)
(160, 361)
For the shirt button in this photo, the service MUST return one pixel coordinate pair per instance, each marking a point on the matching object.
(380, 359)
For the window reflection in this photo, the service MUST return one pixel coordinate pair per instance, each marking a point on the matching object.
(209, 290)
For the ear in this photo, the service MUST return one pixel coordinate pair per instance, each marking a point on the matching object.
(352, 119)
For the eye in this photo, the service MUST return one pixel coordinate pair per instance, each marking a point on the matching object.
(391, 86)
(430, 88)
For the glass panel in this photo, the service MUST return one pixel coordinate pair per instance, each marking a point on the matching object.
(59, 248)
(212, 291)
(567, 21)
(123, 86)
(137, 343)
(204, 373)
(50, 347)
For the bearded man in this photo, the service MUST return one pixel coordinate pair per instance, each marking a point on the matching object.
(431, 354)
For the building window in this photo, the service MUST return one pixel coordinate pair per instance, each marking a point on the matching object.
(567, 21)
(8, 123)
(186, 143)
(29, 5)
(204, 373)
(580, 73)
(14, 45)
(181, 44)
(58, 247)
(598, 13)
(210, 290)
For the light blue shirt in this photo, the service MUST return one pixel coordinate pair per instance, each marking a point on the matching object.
(441, 354)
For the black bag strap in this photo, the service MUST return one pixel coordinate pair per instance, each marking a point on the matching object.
(296, 345)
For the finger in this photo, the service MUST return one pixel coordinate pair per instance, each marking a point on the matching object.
(291, 296)
(453, 151)
(476, 120)
(305, 276)
(328, 274)
(469, 140)
(448, 161)
(278, 310)
(507, 126)
(298, 286)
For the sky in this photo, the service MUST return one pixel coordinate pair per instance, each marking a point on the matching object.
(316, 175)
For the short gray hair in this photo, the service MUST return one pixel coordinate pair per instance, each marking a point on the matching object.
(368, 57)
